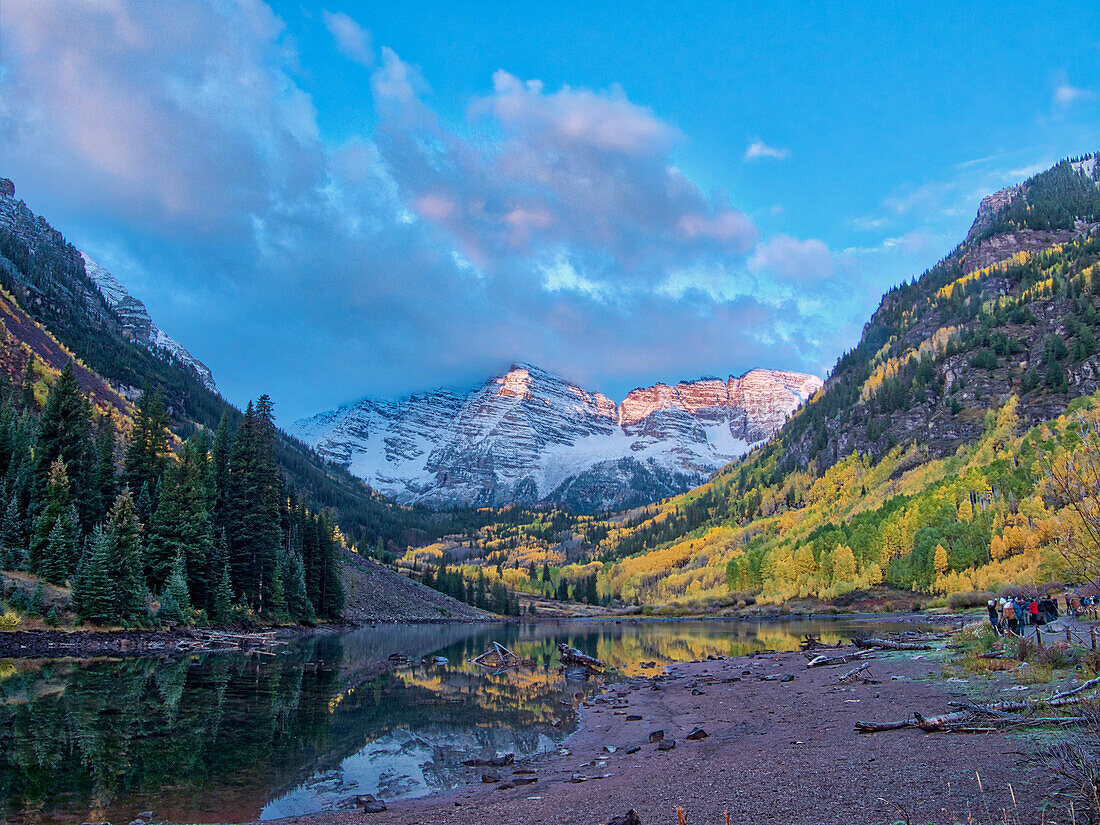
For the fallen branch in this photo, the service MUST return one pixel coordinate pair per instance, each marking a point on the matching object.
(819, 661)
(854, 672)
(571, 657)
(887, 644)
(500, 658)
(1090, 683)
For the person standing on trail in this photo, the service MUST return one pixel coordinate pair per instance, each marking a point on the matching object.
(1010, 617)
(994, 617)
(1033, 609)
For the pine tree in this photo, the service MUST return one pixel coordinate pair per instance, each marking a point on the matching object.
(183, 524)
(127, 569)
(220, 455)
(146, 455)
(298, 605)
(64, 434)
(95, 596)
(255, 488)
(104, 480)
(221, 602)
(12, 543)
(175, 603)
(30, 378)
(56, 506)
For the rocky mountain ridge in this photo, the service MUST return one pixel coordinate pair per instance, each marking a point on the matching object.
(99, 291)
(529, 437)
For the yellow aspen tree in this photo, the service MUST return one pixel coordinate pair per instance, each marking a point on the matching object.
(939, 561)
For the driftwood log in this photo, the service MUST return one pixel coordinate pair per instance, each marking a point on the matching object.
(571, 657)
(501, 658)
(998, 714)
(820, 661)
(887, 644)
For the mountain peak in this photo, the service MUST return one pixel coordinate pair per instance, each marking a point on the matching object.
(529, 436)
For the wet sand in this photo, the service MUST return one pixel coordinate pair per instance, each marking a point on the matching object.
(776, 752)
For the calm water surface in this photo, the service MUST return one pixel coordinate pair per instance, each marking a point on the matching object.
(234, 737)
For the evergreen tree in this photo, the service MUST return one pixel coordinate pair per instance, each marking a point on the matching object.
(12, 543)
(221, 601)
(175, 603)
(104, 480)
(298, 605)
(182, 524)
(55, 508)
(220, 455)
(127, 569)
(64, 434)
(95, 596)
(255, 488)
(146, 455)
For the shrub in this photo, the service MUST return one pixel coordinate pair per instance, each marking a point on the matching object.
(974, 598)
(53, 618)
(9, 620)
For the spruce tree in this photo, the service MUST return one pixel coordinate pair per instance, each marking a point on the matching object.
(104, 480)
(127, 570)
(254, 524)
(221, 602)
(175, 602)
(298, 604)
(12, 543)
(146, 455)
(55, 563)
(64, 434)
(183, 524)
(95, 596)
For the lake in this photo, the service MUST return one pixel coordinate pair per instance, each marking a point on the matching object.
(239, 736)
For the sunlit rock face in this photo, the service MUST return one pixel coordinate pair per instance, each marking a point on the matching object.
(529, 436)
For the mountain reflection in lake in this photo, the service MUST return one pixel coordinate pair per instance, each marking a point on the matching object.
(234, 736)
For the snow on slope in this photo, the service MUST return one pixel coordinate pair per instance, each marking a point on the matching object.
(139, 325)
(530, 436)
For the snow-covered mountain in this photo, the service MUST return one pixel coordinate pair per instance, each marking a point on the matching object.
(529, 436)
(139, 325)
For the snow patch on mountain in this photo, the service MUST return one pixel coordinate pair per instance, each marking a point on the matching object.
(139, 325)
(529, 436)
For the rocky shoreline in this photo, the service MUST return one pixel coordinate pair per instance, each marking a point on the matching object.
(761, 737)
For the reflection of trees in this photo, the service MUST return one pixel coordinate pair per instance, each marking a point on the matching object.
(142, 726)
(216, 736)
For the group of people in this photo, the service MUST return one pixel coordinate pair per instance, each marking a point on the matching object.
(1011, 614)
(1076, 605)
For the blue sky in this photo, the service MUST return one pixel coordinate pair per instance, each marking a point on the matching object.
(329, 201)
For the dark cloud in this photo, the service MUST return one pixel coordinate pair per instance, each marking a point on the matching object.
(183, 147)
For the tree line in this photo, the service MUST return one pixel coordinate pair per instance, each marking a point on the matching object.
(143, 534)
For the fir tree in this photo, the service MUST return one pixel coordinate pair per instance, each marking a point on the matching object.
(183, 524)
(298, 604)
(175, 602)
(221, 601)
(12, 543)
(146, 455)
(126, 563)
(104, 480)
(64, 434)
(95, 596)
(56, 506)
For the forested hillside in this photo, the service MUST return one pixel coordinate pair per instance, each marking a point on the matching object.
(50, 308)
(918, 464)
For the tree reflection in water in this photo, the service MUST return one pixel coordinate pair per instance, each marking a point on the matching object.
(226, 736)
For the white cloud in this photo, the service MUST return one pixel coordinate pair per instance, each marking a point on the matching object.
(1066, 95)
(758, 149)
(793, 260)
(352, 40)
